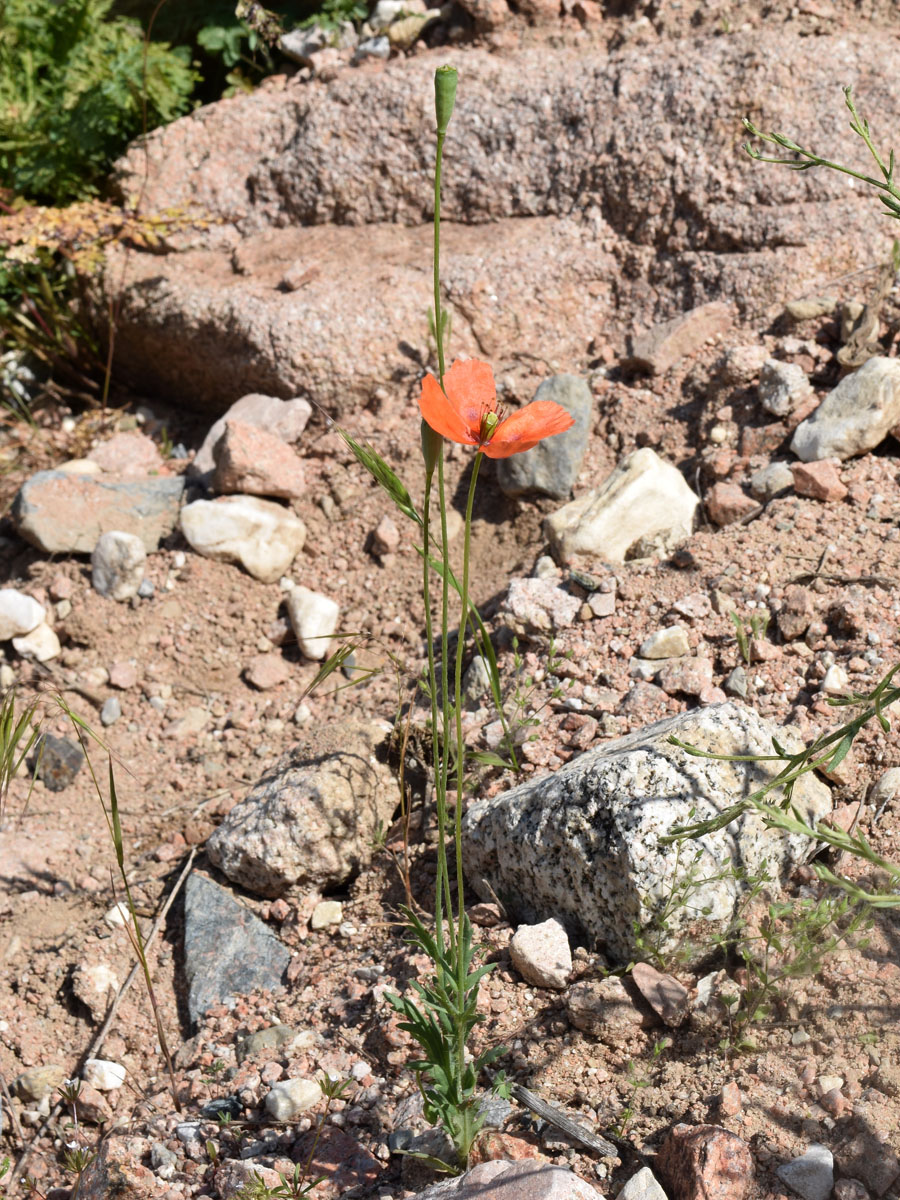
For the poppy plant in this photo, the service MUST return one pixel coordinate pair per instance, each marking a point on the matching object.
(465, 410)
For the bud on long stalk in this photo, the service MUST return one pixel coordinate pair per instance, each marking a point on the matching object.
(444, 96)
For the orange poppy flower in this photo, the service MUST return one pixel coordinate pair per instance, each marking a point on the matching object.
(466, 411)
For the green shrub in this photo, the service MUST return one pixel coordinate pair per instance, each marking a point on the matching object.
(75, 87)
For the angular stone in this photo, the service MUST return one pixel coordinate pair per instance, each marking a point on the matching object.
(38, 1082)
(552, 467)
(228, 952)
(41, 644)
(818, 480)
(117, 1170)
(273, 1037)
(59, 761)
(582, 845)
(782, 387)
(117, 565)
(741, 364)
(502, 1180)
(665, 995)
(769, 481)
(266, 671)
(642, 1185)
(290, 1097)
(727, 503)
(797, 612)
(314, 619)
(259, 534)
(66, 514)
(286, 419)
(705, 1162)
(671, 642)
(868, 1157)
(256, 463)
(810, 1176)
(607, 1008)
(855, 417)
(539, 606)
(103, 1075)
(311, 818)
(19, 614)
(663, 345)
(686, 676)
(645, 507)
(541, 954)
(128, 455)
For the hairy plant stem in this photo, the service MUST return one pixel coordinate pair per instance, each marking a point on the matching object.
(438, 322)
(460, 750)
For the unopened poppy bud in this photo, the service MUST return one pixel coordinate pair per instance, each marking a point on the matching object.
(444, 96)
(431, 447)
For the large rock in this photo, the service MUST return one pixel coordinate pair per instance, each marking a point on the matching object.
(855, 417)
(562, 167)
(313, 817)
(552, 467)
(645, 507)
(583, 845)
(61, 513)
(256, 462)
(285, 419)
(262, 536)
(228, 952)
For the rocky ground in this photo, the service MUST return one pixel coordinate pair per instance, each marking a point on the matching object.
(270, 966)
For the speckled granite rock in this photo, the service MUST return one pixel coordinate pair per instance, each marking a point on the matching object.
(313, 817)
(582, 844)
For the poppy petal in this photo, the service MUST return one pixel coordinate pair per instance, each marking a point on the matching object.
(441, 415)
(524, 429)
(472, 391)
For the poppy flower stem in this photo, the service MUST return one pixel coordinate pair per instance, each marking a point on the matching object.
(438, 315)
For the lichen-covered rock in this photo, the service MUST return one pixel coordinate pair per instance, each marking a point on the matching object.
(583, 844)
(313, 816)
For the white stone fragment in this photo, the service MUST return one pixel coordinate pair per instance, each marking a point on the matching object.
(836, 681)
(810, 1176)
(671, 642)
(19, 614)
(117, 565)
(541, 954)
(41, 644)
(103, 1074)
(290, 1097)
(262, 536)
(854, 417)
(314, 619)
(645, 507)
(642, 1185)
(326, 912)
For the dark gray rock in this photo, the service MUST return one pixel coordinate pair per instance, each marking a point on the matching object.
(58, 761)
(552, 467)
(228, 952)
(66, 514)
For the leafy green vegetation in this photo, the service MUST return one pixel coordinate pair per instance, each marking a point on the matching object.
(75, 86)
